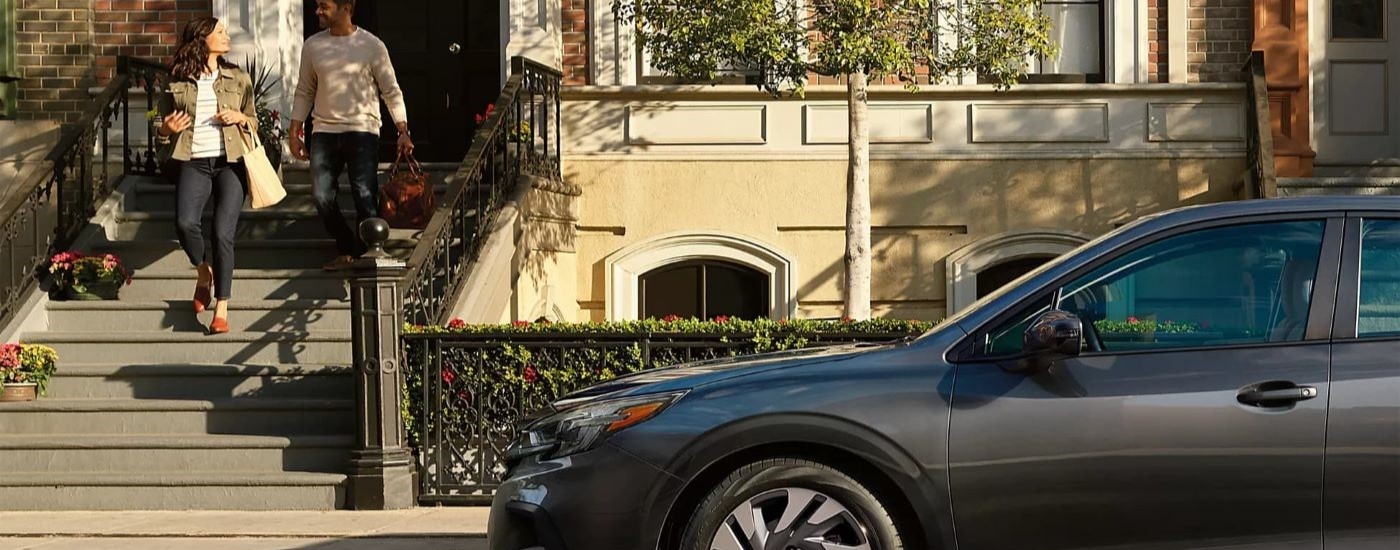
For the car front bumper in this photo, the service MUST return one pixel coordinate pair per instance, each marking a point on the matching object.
(605, 498)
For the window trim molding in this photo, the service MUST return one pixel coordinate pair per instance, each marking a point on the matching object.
(623, 268)
(963, 265)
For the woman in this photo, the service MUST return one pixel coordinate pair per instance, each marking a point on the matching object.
(206, 115)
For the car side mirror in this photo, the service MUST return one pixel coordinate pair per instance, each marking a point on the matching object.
(1053, 335)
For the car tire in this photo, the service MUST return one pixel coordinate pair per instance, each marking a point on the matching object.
(771, 490)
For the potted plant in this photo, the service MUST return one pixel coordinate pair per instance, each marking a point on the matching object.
(80, 277)
(25, 370)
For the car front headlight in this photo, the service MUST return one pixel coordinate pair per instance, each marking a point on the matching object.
(584, 426)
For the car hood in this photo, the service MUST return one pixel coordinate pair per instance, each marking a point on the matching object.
(695, 374)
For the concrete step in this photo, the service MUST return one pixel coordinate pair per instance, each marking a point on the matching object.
(1339, 185)
(150, 347)
(239, 416)
(178, 315)
(157, 196)
(248, 284)
(174, 454)
(203, 490)
(195, 381)
(256, 224)
(1385, 167)
(166, 255)
(299, 173)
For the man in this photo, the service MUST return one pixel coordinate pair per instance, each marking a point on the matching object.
(342, 68)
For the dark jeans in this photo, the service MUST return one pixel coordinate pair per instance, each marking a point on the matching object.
(355, 153)
(228, 183)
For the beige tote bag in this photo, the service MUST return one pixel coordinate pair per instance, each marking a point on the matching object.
(264, 186)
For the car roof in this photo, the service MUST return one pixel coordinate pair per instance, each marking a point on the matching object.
(1281, 205)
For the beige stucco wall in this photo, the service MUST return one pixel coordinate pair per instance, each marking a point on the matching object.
(950, 165)
(922, 211)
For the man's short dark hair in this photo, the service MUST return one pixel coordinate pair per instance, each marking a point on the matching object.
(345, 3)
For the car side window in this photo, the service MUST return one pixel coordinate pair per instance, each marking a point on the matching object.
(1006, 338)
(1230, 285)
(1378, 303)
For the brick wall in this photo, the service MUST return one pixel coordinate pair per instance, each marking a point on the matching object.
(1218, 37)
(142, 28)
(1157, 69)
(55, 58)
(67, 47)
(575, 18)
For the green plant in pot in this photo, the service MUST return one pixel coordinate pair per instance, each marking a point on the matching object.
(25, 370)
(270, 130)
(80, 277)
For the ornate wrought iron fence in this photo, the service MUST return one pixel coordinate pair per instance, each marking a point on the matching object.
(467, 393)
(49, 216)
(519, 136)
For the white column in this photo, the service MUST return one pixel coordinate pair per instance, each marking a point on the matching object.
(270, 32)
(611, 46)
(1126, 39)
(533, 30)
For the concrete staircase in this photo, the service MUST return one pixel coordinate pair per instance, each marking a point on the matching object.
(147, 412)
(1339, 185)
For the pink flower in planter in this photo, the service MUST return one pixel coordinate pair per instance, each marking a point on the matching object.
(530, 374)
(1132, 319)
(448, 376)
(671, 318)
(721, 319)
(456, 324)
(520, 324)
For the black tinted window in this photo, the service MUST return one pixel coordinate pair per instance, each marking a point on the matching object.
(1378, 306)
(1228, 285)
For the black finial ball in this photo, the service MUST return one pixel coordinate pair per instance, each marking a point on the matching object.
(374, 231)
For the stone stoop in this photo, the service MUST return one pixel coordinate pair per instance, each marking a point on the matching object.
(147, 412)
(1339, 185)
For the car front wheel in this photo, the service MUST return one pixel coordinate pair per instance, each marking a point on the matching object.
(790, 504)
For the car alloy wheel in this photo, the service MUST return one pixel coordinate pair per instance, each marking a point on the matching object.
(791, 518)
(790, 503)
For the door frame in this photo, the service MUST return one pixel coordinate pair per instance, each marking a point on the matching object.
(1320, 36)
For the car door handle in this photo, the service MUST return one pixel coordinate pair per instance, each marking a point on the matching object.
(1275, 395)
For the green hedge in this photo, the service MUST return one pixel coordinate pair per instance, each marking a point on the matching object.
(517, 369)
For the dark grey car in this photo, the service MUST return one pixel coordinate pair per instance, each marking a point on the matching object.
(1224, 376)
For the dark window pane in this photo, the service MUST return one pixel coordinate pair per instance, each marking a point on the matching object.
(671, 291)
(1007, 338)
(1358, 19)
(1379, 303)
(1229, 285)
(735, 292)
(992, 278)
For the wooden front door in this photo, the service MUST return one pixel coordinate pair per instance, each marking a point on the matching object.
(447, 55)
(1358, 110)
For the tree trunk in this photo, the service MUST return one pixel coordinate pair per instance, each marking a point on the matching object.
(858, 200)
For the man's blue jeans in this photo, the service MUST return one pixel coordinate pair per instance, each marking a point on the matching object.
(357, 154)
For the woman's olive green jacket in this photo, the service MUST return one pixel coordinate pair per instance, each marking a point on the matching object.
(235, 91)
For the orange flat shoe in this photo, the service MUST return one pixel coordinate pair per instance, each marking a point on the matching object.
(218, 326)
(202, 298)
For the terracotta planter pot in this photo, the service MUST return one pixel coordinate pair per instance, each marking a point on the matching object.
(19, 392)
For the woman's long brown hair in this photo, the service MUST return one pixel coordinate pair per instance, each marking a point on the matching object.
(192, 53)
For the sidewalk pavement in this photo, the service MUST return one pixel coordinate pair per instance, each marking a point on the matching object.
(426, 528)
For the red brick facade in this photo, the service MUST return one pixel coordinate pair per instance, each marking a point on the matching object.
(575, 29)
(68, 46)
(1218, 38)
(1157, 69)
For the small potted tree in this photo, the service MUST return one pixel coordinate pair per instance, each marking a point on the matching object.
(80, 277)
(25, 370)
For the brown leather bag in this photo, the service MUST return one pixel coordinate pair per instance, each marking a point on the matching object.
(406, 201)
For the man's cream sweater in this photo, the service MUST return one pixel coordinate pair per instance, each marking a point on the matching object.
(344, 76)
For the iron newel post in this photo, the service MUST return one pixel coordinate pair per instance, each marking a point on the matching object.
(381, 469)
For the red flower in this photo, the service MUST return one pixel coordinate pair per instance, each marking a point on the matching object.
(448, 376)
(530, 374)
(520, 324)
(845, 319)
(456, 324)
(671, 318)
(483, 116)
(1132, 319)
(721, 319)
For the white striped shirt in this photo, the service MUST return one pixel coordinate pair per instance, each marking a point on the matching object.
(208, 135)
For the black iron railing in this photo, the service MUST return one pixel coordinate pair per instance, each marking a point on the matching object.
(1261, 180)
(48, 216)
(154, 79)
(520, 136)
(468, 392)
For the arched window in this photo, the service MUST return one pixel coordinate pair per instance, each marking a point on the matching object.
(996, 276)
(704, 289)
